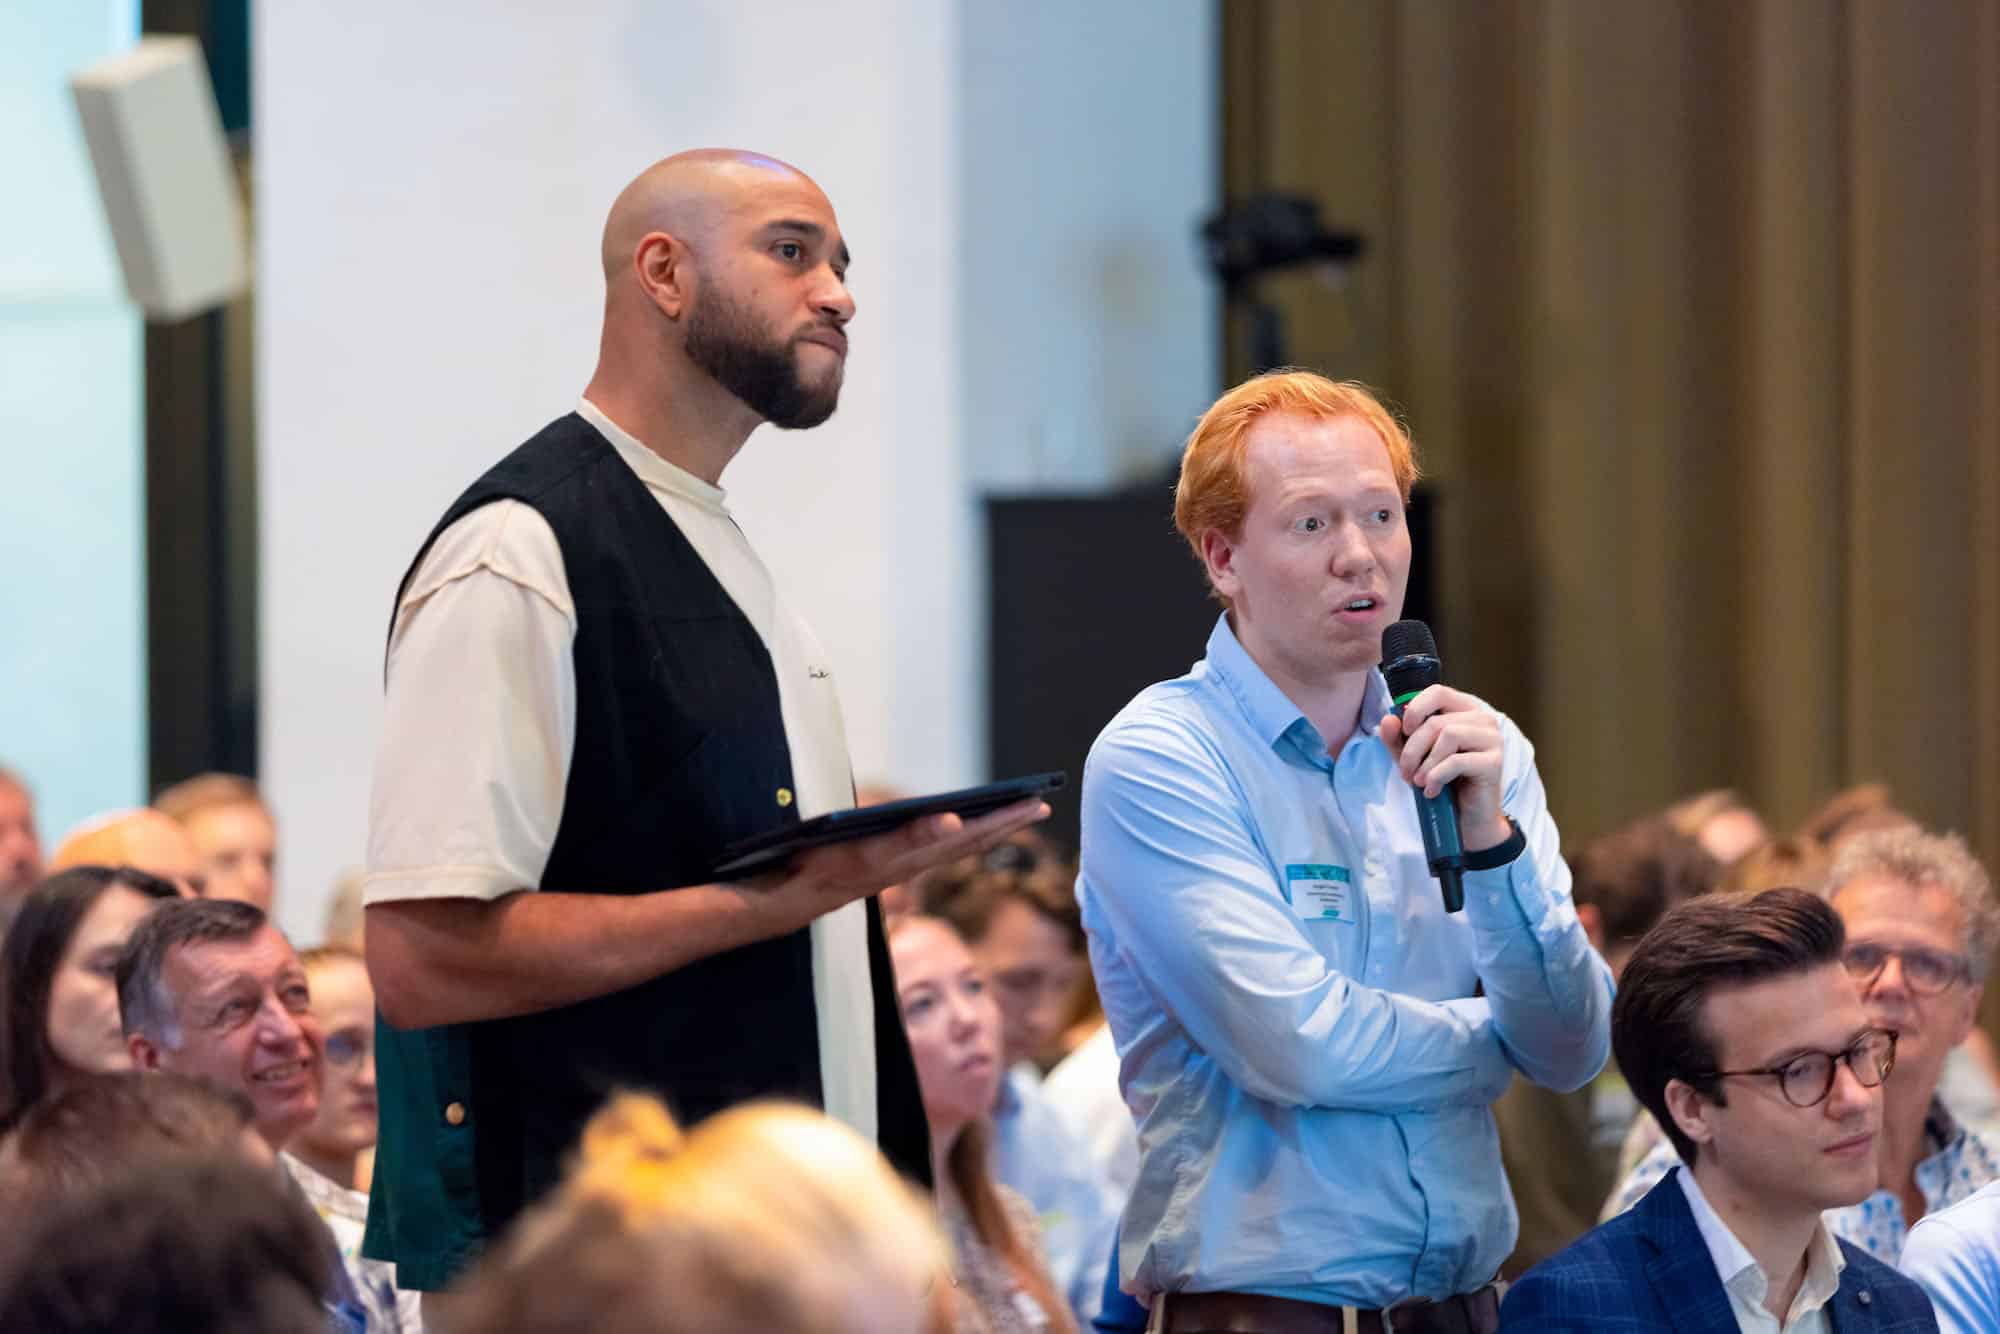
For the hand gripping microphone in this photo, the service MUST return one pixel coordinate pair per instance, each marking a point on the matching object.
(1409, 663)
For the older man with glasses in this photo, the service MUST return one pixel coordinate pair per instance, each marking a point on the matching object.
(1921, 925)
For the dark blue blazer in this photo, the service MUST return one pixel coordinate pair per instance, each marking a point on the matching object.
(1648, 1269)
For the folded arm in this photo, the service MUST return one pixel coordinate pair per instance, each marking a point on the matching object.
(1170, 861)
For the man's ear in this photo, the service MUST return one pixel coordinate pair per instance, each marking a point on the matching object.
(1692, 1113)
(661, 265)
(145, 1055)
(1218, 553)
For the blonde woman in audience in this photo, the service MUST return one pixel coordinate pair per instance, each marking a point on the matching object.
(765, 1219)
(1720, 821)
(330, 1159)
(954, 1027)
(232, 830)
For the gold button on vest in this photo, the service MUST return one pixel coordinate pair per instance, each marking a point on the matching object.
(784, 796)
(454, 1114)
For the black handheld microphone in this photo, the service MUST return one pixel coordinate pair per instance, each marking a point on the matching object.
(1409, 663)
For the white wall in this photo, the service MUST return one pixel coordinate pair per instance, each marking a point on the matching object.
(431, 183)
(72, 480)
(1089, 149)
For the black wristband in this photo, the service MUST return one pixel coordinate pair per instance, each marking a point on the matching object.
(1500, 853)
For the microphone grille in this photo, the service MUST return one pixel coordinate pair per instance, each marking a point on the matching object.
(1405, 638)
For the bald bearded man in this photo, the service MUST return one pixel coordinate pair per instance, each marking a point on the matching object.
(593, 687)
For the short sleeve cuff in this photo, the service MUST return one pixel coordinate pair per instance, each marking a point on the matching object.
(439, 882)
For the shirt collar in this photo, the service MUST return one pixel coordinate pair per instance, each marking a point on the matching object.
(1739, 1270)
(654, 471)
(1270, 711)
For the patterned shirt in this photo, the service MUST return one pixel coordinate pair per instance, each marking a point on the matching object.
(1956, 1162)
(990, 1298)
(345, 1213)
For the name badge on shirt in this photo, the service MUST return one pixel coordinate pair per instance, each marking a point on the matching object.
(1320, 893)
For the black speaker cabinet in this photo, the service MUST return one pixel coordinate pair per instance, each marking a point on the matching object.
(1094, 598)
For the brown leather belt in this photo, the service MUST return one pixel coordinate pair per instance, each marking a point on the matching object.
(1248, 1313)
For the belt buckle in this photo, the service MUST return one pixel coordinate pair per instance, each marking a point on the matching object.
(1350, 1320)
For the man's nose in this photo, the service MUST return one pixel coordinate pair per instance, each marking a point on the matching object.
(833, 300)
(277, 1025)
(1351, 553)
(1891, 979)
(1849, 1095)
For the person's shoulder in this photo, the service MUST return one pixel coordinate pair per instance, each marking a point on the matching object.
(1166, 719)
(1974, 1156)
(1977, 1215)
(505, 538)
(1647, 1173)
(1596, 1276)
(1888, 1294)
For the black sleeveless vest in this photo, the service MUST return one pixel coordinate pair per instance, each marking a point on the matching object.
(680, 749)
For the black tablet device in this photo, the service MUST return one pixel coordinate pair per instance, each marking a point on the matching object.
(764, 852)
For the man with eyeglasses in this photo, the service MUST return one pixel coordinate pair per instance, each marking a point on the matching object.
(210, 989)
(1922, 925)
(1741, 1031)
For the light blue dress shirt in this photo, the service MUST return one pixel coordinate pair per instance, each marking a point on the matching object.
(1297, 1032)
(1955, 1257)
(1038, 1154)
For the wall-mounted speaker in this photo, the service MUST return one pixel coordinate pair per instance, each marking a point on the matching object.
(155, 137)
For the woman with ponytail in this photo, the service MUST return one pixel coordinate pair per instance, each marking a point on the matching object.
(954, 1026)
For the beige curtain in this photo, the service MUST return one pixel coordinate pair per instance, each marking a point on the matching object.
(1695, 311)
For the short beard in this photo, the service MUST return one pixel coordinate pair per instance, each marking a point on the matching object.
(724, 342)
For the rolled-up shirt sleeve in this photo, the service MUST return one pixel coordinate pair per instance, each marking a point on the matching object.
(1549, 989)
(479, 719)
(1170, 861)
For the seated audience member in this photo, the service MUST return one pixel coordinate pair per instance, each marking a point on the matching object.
(1921, 925)
(1084, 1088)
(1791, 862)
(61, 1017)
(329, 1157)
(1561, 1149)
(954, 1026)
(202, 1244)
(232, 831)
(767, 1217)
(99, 1128)
(144, 839)
(20, 845)
(208, 987)
(1861, 809)
(1020, 922)
(1746, 1037)
(1720, 822)
(1954, 1256)
(1781, 863)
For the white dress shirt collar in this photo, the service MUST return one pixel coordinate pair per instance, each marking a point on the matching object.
(1745, 1280)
